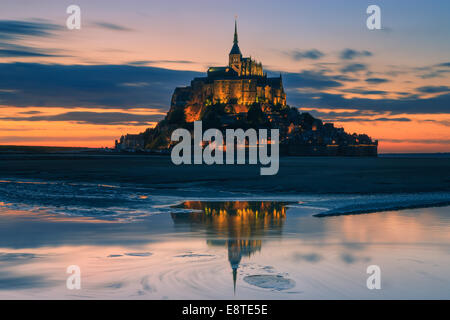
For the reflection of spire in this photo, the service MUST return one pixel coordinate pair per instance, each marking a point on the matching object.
(240, 224)
(234, 257)
(234, 279)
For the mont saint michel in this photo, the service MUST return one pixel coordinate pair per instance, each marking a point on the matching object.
(294, 155)
(240, 95)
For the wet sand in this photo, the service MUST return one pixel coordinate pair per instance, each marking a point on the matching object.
(286, 254)
(142, 228)
(296, 174)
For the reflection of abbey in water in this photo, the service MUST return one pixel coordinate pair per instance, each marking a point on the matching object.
(237, 225)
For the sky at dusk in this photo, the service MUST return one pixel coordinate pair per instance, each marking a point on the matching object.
(61, 87)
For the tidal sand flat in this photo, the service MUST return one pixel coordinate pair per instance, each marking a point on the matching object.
(227, 251)
(296, 174)
(140, 228)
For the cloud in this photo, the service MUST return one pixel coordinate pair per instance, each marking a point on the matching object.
(377, 80)
(433, 89)
(434, 74)
(441, 122)
(312, 54)
(354, 67)
(350, 54)
(93, 86)
(23, 52)
(356, 116)
(311, 79)
(129, 87)
(112, 26)
(40, 138)
(372, 119)
(31, 112)
(336, 114)
(135, 84)
(445, 64)
(434, 71)
(365, 91)
(18, 53)
(15, 29)
(407, 105)
(424, 141)
(88, 117)
(147, 62)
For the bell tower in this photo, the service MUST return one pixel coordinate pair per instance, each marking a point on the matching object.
(235, 60)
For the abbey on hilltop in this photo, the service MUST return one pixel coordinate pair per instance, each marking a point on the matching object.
(240, 84)
(242, 96)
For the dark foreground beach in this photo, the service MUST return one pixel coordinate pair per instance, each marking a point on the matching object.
(296, 174)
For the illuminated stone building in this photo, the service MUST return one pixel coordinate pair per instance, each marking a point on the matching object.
(240, 84)
(242, 96)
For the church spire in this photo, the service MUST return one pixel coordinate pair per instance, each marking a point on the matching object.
(235, 49)
(235, 41)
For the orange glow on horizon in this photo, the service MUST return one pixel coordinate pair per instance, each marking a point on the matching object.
(66, 133)
(393, 136)
(415, 136)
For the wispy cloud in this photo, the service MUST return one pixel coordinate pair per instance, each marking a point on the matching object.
(445, 64)
(12, 32)
(13, 50)
(93, 86)
(16, 29)
(111, 26)
(433, 89)
(312, 54)
(134, 84)
(87, 117)
(364, 91)
(151, 62)
(311, 79)
(372, 119)
(434, 71)
(377, 80)
(408, 105)
(350, 54)
(425, 141)
(354, 67)
(128, 87)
